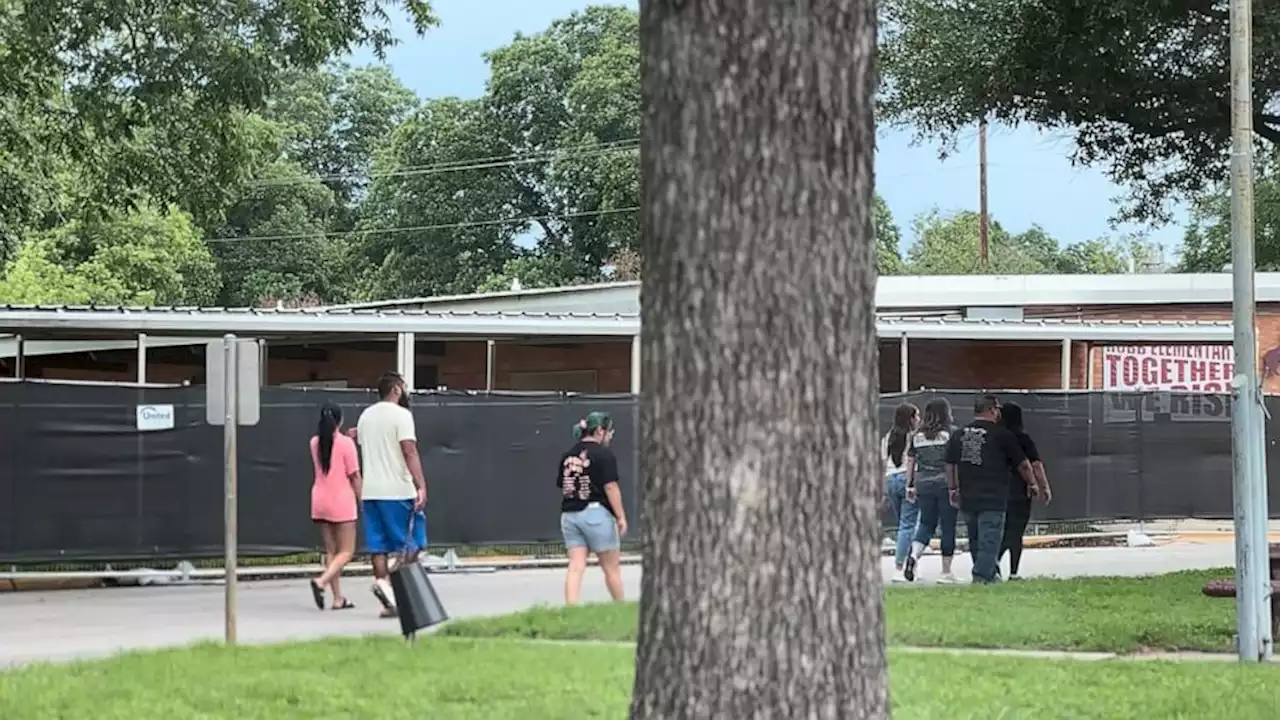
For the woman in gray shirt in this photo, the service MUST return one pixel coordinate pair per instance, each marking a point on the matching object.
(927, 486)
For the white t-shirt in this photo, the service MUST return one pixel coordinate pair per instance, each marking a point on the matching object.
(890, 467)
(380, 429)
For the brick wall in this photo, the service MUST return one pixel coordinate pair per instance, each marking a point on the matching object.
(587, 367)
(961, 364)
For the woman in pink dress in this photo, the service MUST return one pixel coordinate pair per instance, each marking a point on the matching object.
(335, 494)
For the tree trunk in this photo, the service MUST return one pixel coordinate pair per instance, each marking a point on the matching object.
(762, 587)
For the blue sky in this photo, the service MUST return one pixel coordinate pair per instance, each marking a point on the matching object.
(1030, 179)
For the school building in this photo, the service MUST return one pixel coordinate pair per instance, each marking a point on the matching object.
(1116, 332)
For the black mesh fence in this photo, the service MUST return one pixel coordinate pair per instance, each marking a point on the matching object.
(79, 481)
(1118, 456)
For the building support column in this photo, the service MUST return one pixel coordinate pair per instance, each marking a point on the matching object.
(1066, 364)
(1090, 355)
(903, 379)
(142, 358)
(406, 359)
(264, 355)
(490, 366)
(635, 364)
(19, 357)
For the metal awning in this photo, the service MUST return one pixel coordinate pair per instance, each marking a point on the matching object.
(1057, 330)
(94, 322)
(83, 323)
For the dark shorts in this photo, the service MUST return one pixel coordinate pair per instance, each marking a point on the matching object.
(386, 527)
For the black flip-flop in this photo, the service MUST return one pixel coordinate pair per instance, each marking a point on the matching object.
(317, 594)
(346, 605)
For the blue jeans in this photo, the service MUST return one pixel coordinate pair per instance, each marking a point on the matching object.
(986, 530)
(936, 509)
(905, 511)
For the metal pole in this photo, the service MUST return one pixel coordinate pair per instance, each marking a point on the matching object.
(490, 354)
(19, 357)
(263, 357)
(1066, 364)
(635, 365)
(983, 216)
(1247, 457)
(229, 514)
(902, 364)
(1262, 556)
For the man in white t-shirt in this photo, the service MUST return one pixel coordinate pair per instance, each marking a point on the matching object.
(395, 490)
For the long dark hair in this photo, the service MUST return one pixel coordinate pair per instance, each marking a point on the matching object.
(903, 423)
(937, 418)
(330, 419)
(1011, 417)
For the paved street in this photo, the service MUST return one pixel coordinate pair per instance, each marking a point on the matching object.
(70, 624)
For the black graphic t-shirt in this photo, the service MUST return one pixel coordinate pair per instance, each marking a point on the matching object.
(984, 454)
(583, 472)
(1018, 486)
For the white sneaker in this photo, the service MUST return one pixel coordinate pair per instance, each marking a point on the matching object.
(947, 579)
(382, 591)
(898, 577)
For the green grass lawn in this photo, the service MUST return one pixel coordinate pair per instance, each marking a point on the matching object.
(1166, 612)
(462, 679)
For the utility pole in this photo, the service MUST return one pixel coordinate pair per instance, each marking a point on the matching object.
(1248, 449)
(983, 217)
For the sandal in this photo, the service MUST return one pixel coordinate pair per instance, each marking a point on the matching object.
(344, 605)
(317, 594)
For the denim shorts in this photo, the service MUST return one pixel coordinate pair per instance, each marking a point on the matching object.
(593, 528)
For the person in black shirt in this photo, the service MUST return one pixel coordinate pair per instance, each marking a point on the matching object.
(1018, 510)
(980, 457)
(592, 518)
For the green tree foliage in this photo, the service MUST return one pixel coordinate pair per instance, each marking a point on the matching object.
(566, 101)
(1206, 244)
(949, 245)
(888, 239)
(144, 257)
(110, 106)
(436, 220)
(334, 119)
(149, 97)
(288, 234)
(1139, 84)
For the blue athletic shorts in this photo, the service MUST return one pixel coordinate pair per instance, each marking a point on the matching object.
(386, 527)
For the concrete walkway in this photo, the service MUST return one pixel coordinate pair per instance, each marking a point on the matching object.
(71, 624)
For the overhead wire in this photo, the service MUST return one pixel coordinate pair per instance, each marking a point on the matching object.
(424, 228)
(482, 163)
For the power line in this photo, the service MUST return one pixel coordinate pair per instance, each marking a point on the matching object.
(482, 163)
(425, 228)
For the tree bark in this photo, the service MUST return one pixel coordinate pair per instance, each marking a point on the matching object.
(762, 589)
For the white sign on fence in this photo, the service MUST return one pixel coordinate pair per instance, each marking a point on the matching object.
(1186, 368)
(155, 417)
